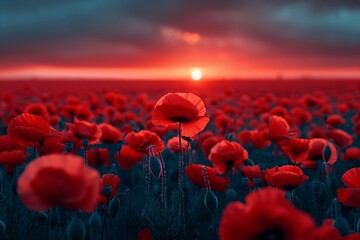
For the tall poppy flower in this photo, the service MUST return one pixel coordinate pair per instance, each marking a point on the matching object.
(58, 179)
(127, 157)
(315, 153)
(185, 108)
(350, 196)
(340, 137)
(266, 215)
(287, 177)
(110, 134)
(227, 155)
(142, 140)
(29, 127)
(108, 187)
(85, 130)
(278, 129)
(196, 175)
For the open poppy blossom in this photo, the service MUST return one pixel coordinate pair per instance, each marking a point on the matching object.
(85, 130)
(142, 140)
(335, 120)
(52, 145)
(174, 146)
(266, 215)
(209, 143)
(37, 109)
(251, 172)
(196, 175)
(110, 134)
(278, 129)
(127, 157)
(186, 109)
(11, 158)
(226, 156)
(58, 179)
(351, 154)
(327, 232)
(29, 127)
(256, 138)
(8, 143)
(315, 153)
(340, 137)
(350, 196)
(287, 177)
(296, 149)
(108, 187)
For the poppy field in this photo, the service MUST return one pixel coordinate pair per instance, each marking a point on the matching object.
(228, 160)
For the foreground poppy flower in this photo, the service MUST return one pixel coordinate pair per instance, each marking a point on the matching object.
(59, 180)
(29, 127)
(278, 129)
(186, 109)
(141, 141)
(108, 187)
(350, 196)
(196, 175)
(227, 155)
(128, 157)
(287, 177)
(174, 146)
(266, 215)
(85, 130)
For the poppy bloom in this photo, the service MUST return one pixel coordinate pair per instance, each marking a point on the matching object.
(141, 141)
(196, 175)
(266, 215)
(29, 127)
(127, 157)
(278, 129)
(98, 156)
(8, 143)
(251, 172)
(287, 177)
(209, 143)
(327, 232)
(110, 134)
(52, 145)
(256, 138)
(37, 109)
(340, 137)
(58, 179)
(295, 148)
(108, 187)
(351, 154)
(85, 130)
(10, 159)
(186, 109)
(315, 153)
(350, 196)
(227, 155)
(335, 120)
(174, 146)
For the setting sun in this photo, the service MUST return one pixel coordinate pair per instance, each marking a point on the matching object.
(196, 74)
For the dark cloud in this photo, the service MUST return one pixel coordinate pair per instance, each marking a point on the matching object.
(143, 33)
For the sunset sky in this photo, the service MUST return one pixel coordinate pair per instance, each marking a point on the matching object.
(164, 39)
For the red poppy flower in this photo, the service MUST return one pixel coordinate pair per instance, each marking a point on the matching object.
(8, 143)
(128, 157)
(301, 116)
(174, 146)
(185, 108)
(85, 130)
(208, 144)
(340, 137)
(287, 177)
(37, 109)
(227, 155)
(83, 113)
(145, 234)
(335, 120)
(196, 175)
(315, 153)
(11, 158)
(98, 156)
(278, 129)
(353, 236)
(256, 138)
(110, 134)
(224, 123)
(356, 128)
(350, 196)
(58, 179)
(108, 187)
(251, 172)
(296, 149)
(266, 215)
(327, 232)
(29, 127)
(141, 141)
(351, 154)
(52, 145)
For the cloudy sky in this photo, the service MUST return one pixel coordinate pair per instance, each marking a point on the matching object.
(166, 38)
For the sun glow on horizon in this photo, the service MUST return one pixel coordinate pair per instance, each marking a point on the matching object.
(196, 74)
